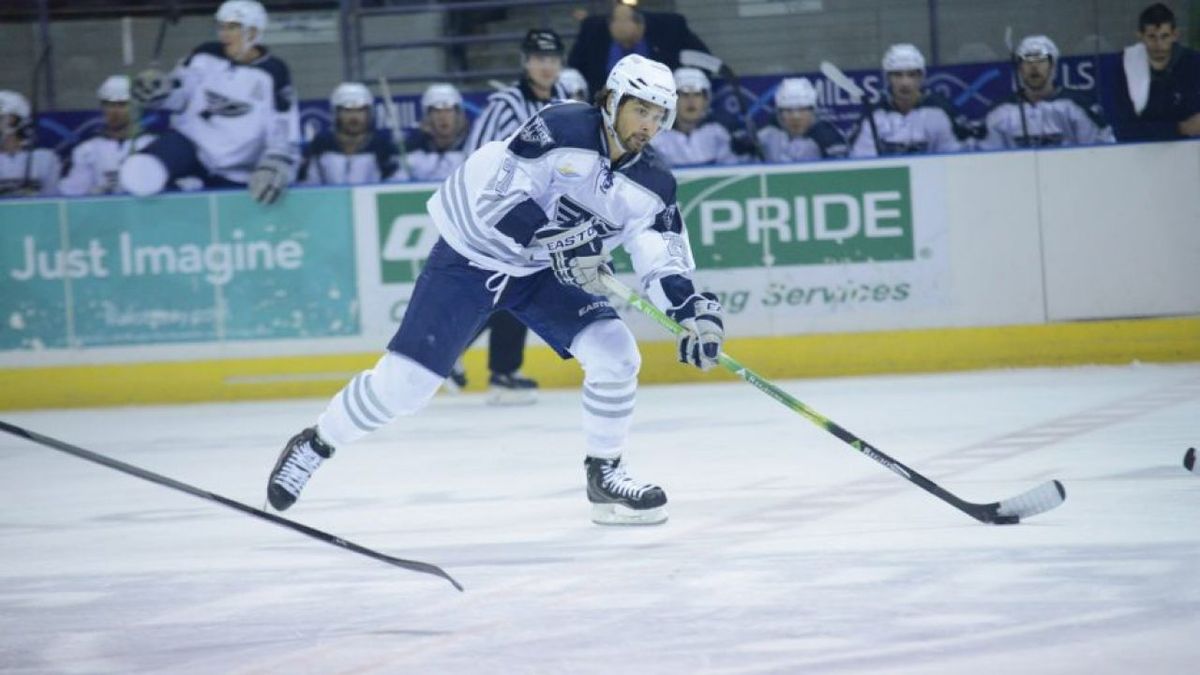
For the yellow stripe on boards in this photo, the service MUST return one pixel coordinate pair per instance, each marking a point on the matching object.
(824, 355)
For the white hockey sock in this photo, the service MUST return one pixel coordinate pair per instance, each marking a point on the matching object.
(610, 359)
(396, 386)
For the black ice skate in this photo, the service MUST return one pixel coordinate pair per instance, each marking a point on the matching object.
(511, 389)
(297, 463)
(617, 499)
(457, 381)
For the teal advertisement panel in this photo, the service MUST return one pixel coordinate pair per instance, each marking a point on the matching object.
(179, 268)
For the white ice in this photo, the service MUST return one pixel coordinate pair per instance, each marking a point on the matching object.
(787, 551)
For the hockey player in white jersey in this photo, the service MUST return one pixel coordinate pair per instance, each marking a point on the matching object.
(94, 163)
(696, 138)
(800, 135)
(25, 170)
(909, 121)
(1042, 114)
(526, 224)
(436, 147)
(235, 121)
(506, 111)
(352, 151)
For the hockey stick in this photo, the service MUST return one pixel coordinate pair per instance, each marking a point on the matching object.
(843, 82)
(35, 94)
(1042, 498)
(393, 115)
(160, 479)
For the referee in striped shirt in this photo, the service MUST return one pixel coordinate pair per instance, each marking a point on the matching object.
(506, 111)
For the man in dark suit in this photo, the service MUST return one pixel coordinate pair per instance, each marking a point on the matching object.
(604, 40)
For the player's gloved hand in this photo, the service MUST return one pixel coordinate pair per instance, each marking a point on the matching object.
(576, 255)
(703, 330)
(150, 86)
(743, 143)
(270, 178)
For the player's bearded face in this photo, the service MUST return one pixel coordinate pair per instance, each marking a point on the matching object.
(442, 121)
(1035, 74)
(637, 122)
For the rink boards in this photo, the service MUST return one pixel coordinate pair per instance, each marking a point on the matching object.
(922, 264)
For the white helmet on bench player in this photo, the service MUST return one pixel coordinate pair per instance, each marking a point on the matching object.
(641, 78)
(903, 57)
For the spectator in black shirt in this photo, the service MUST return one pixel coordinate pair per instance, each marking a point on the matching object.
(1158, 85)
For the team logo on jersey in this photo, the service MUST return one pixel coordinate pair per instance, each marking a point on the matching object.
(606, 177)
(570, 214)
(220, 105)
(536, 131)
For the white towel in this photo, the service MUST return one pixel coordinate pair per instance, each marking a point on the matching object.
(1137, 75)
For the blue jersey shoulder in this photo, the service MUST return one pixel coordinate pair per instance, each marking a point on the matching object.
(562, 125)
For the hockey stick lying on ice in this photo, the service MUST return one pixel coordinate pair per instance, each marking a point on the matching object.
(1042, 498)
(111, 463)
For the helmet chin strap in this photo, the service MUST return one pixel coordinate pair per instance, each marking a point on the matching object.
(610, 123)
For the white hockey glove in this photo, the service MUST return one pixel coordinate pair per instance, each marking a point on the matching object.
(270, 178)
(150, 87)
(576, 255)
(703, 330)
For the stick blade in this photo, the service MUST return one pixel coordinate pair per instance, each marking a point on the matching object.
(842, 81)
(702, 60)
(1048, 495)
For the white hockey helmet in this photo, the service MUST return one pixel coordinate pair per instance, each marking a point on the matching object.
(795, 92)
(12, 103)
(115, 89)
(903, 57)
(572, 80)
(441, 95)
(1036, 48)
(692, 80)
(247, 13)
(351, 95)
(637, 76)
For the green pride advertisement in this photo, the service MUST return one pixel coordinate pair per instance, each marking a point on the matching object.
(781, 245)
(199, 267)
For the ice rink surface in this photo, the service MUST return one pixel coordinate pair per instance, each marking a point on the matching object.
(786, 552)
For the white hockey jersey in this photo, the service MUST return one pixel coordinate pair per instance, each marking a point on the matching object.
(823, 141)
(556, 168)
(95, 162)
(234, 112)
(709, 143)
(326, 164)
(1065, 118)
(426, 161)
(25, 175)
(932, 126)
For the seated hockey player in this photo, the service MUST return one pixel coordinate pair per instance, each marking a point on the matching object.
(909, 121)
(435, 148)
(352, 151)
(234, 122)
(1041, 114)
(800, 136)
(25, 169)
(696, 138)
(94, 163)
(526, 225)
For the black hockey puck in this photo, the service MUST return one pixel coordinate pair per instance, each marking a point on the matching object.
(1006, 520)
(1189, 459)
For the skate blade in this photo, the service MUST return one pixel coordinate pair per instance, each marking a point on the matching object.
(616, 514)
(512, 397)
